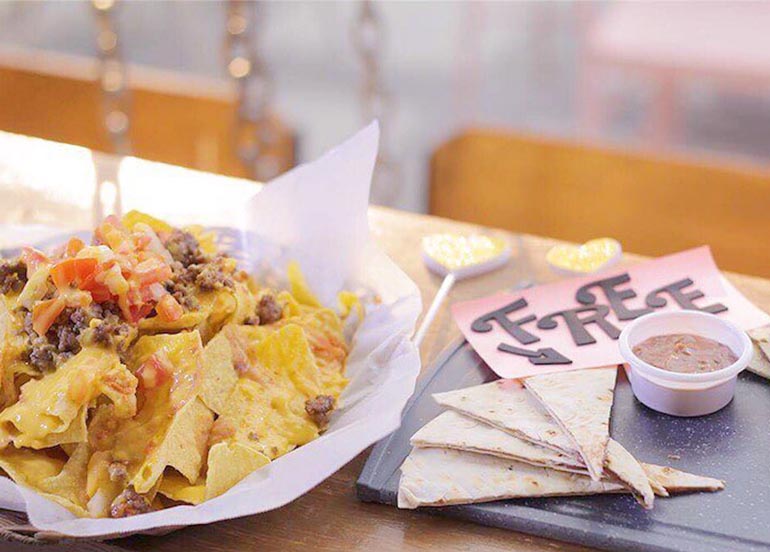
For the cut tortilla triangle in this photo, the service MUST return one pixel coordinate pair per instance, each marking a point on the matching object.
(506, 405)
(677, 481)
(760, 362)
(457, 431)
(580, 402)
(622, 466)
(439, 477)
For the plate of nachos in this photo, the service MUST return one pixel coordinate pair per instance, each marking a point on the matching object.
(147, 380)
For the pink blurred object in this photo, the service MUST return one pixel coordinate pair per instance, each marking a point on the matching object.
(670, 42)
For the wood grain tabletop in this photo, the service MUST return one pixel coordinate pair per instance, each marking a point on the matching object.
(330, 517)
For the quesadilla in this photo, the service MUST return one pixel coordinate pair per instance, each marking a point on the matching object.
(621, 465)
(760, 362)
(676, 481)
(453, 430)
(506, 405)
(439, 477)
(456, 431)
(580, 402)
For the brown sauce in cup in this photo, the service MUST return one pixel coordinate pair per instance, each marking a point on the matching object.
(685, 353)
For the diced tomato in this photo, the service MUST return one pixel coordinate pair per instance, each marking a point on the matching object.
(133, 312)
(152, 271)
(73, 247)
(169, 309)
(153, 372)
(44, 314)
(98, 290)
(101, 294)
(72, 271)
(33, 258)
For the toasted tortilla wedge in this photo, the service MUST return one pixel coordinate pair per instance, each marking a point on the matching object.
(676, 481)
(438, 477)
(506, 405)
(580, 402)
(760, 362)
(457, 431)
(620, 464)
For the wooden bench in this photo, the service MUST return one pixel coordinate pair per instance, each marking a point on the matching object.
(573, 192)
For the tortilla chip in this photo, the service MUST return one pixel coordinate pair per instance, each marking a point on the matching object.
(266, 410)
(676, 481)
(299, 288)
(506, 405)
(76, 432)
(246, 304)
(49, 406)
(70, 482)
(438, 477)
(622, 465)
(218, 375)
(323, 330)
(219, 306)
(580, 401)
(183, 351)
(134, 217)
(350, 302)
(172, 426)
(176, 487)
(182, 447)
(39, 471)
(229, 462)
(188, 321)
(456, 431)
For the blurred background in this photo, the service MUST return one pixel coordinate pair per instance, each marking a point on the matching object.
(488, 109)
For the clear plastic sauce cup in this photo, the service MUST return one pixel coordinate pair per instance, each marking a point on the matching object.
(676, 393)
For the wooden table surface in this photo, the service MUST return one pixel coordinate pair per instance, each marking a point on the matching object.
(330, 517)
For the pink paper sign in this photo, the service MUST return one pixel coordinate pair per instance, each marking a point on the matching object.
(575, 323)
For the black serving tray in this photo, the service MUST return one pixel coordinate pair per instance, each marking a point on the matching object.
(732, 444)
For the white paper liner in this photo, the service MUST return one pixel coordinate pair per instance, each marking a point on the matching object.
(317, 215)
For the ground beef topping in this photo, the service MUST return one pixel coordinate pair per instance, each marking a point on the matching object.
(184, 248)
(60, 342)
(64, 338)
(213, 276)
(108, 329)
(319, 409)
(13, 276)
(184, 293)
(268, 310)
(129, 503)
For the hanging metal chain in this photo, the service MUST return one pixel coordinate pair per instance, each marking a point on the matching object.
(116, 105)
(112, 77)
(256, 133)
(376, 102)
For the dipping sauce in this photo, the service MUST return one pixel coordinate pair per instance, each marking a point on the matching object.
(685, 353)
